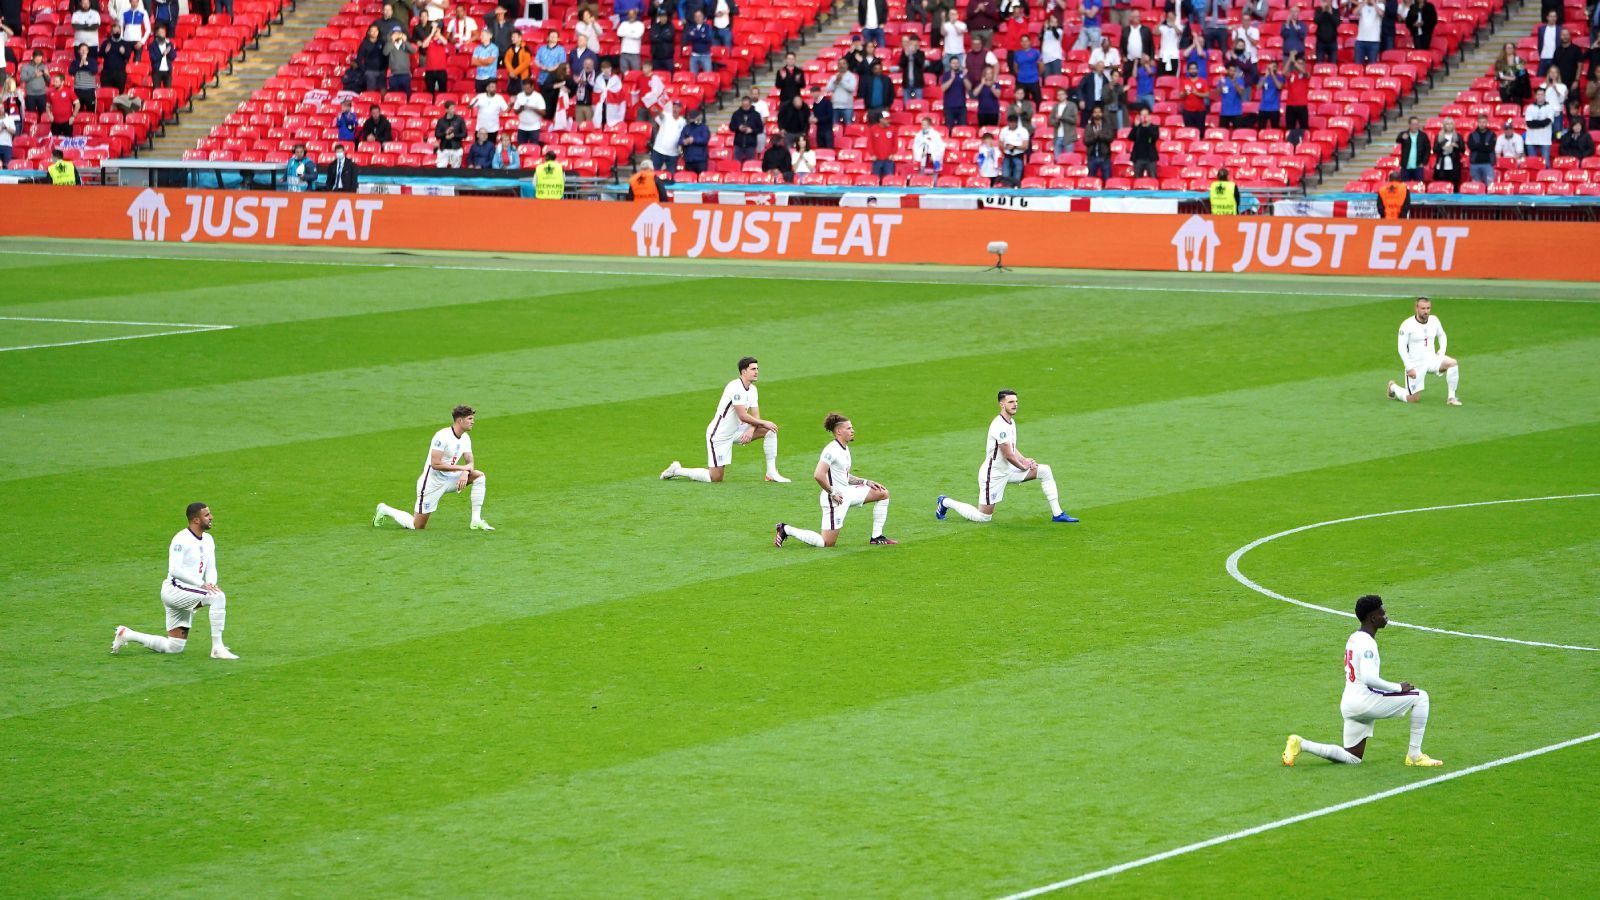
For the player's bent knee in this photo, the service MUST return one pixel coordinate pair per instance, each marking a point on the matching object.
(216, 598)
(176, 645)
(1044, 472)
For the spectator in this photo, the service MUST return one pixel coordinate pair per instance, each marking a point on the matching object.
(610, 103)
(987, 158)
(1447, 150)
(449, 133)
(300, 173)
(1510, 145)
(1394, 197)
(481, 154)
(664, 148)
(549, 179)
(881, 147)
(1194, 96)
(1540, 119)
(1089, 26)
(347, 123)
(1414, 151)
(114, 61)
(1145, 141)
(794, 119)
(721, 18)
(698, 36)
(1232, 92)
(1480, 152)
(1137, 42)
(35, 78)
(1052, 54)
(485, 62)
(1145, 73)
(1293, 34)
(987, 93)
(1109, 58)
(776, 161)
(63, 105)
(1170, 37)
(871, 16)
(1246, 39)
(372, 59)
(462, 30)
(135, 29)
(1555, 94)
(519, 64)
(1256, 9)
(582, 53)
(1592, 72)
(588, 28)
(877, 92)
(953, 85)
(497, 25)
(505, 155)
(1097, 137)
(491, 105)
(822, 115)
(1270, 102)
(913, 65)
(1297, 97)
(10, 125)
(802, 158)
(1369, 32)
(559, 95)
(1548, 36)
(1512, 76)
(663, 43)
(1197, 56)
(1215, 24)
(583, 92)
(1388, 25)
(1116, 100)
(983, 17)
(83, 70)
(1026, 60)
(746, 125)
(842, 86)
(549, 56)
(85, 25)
(1064, 118)
(376, 128)
(1567, 58)
(1422, 19)
(953, 41)
(398, 53)
(790, 80)
(530, 108)
(342, 173)
(1577, 142)
(694, 144)
(630, 37)
(1326, 20)
(927, 148)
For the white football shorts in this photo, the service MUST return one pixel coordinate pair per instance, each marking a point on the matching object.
(1429, 366)
(433, 485)
(833, 513)
(992, 484)
(181, 601)
(1360, 716)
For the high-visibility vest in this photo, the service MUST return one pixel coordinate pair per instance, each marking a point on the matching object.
(1392, 197)
(644, 189)
(62, 172)
(549, 181)
(1222, 199)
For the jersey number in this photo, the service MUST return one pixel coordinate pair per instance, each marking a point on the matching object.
(1350, 664)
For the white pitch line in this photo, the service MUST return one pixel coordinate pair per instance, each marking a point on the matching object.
(176, 329)
(110, 322)
(1302, 817)
(1233, 568)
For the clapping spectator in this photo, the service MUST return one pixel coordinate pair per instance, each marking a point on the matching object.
(347, 123)
(1246, 39)
(1194, 96)
(913, 64)
(1145, 141)
(1447, 150)
(790, 80)
(987, 93)
(698, 36)
(588, 28)
(376, 128)
(983, 17)
(435, 58)
(842, 88)
(1326, 20)
(1577, 142)
(1107, 57)
(777, 161)
(1097, 137)
(583, 92)
(1052, 52)
(490, 106)
(927, 148)
(953, 85)
(83, 70)
(530, 108)
(1293, 34)
(953, 41)
(462, 30)
(450, 132)
(1369, 32)
(1481, 152)
(113, 58)
(481, 154)
(1270, 106)
(695, 143)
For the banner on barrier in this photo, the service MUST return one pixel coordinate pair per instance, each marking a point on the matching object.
(1113, 241)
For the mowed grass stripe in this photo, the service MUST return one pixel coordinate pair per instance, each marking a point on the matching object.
(96, 281)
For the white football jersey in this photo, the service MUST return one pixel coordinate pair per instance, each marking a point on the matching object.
(1362, 666)
(1417, 339)
(725, 425)
(1000, 432)
(192, 560)
(837, 457)
(451, 447)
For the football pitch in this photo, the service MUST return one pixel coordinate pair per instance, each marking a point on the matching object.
(627, 690)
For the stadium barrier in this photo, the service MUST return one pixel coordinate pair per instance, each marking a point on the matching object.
(1112, 241)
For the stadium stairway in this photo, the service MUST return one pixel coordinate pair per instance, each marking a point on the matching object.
(300, 23)
(838, 21)
(1521, 16)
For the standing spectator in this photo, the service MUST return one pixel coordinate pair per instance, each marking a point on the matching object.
(583, 92)
(630, 39)
(1567, 58)
(746, 125)
(462, 30)
(506, 155)
(663, 43)
(1326, 20)
(389, 22)
(1089, 12)
(1215, 24)
(790, 80)
(530, 109)
(499, 29)
(881, 147)
(1414, 151)
(1577, 142)
(842, 86)
(1106, 56)
(490, 106)
(588, 28)
(987, 158)
(794, 119)
(1246, 37)
(953, 41)
(1198, 57)
(1064, 118)
(549, 56)
(1137, 42)
(721, 18)
(611, 105)
(342, 173)
(85, 25)
(1297, 97)
(1592, 72)
(1480, 152)
(1293, 34)
(1511, 75)
(376, 128)
(347, 123)
(877, 93)
(114, 61)
(665, 147)
(1555, 94)
(913, 65)
(1447, 150)
(1169, 38)
(987, 93)
(136, 29)
(1270, 105)
(1052, 53)
(871, 16)
(83, 70)
(300, 173)
(822, 114)
(1390, 24)
(449, 133)
(35, 78)
(1116, 100)
(1369, 32)
(1145, 74)
(1422, 19)
(1540, 119)
(1194, 95)
(10, 125)
(803, 158)
(519, 64)
(695, 143)
(1026, 60)
(1145, 141)
(698, 36)
(927, 148)
(777, 161)
(1548, 37)
(983, 17)
(953, 85)
(63, 105)
(435, 60)
(398, 54)
(1097, 137)
(485, 62)
(481, 154)
(372, 59)
(1510, 145)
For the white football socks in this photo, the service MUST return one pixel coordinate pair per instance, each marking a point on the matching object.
(158, 642)
(217, 605)
(803, 536)
(880, 515)
(966, 510)
(1419, 719)
(479, 489)
(405, 519)
(1452, 377)
(1330, 752)
(1047, 482)
(769, 446)
(701, 475)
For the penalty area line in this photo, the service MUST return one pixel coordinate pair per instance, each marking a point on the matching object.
(174, 328)
(1292, 820)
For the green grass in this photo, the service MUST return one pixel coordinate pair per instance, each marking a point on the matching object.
(628, 691)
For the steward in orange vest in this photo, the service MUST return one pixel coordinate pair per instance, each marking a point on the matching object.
(1394, 198)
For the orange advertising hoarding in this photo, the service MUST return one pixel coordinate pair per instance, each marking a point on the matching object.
(1114, 241)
